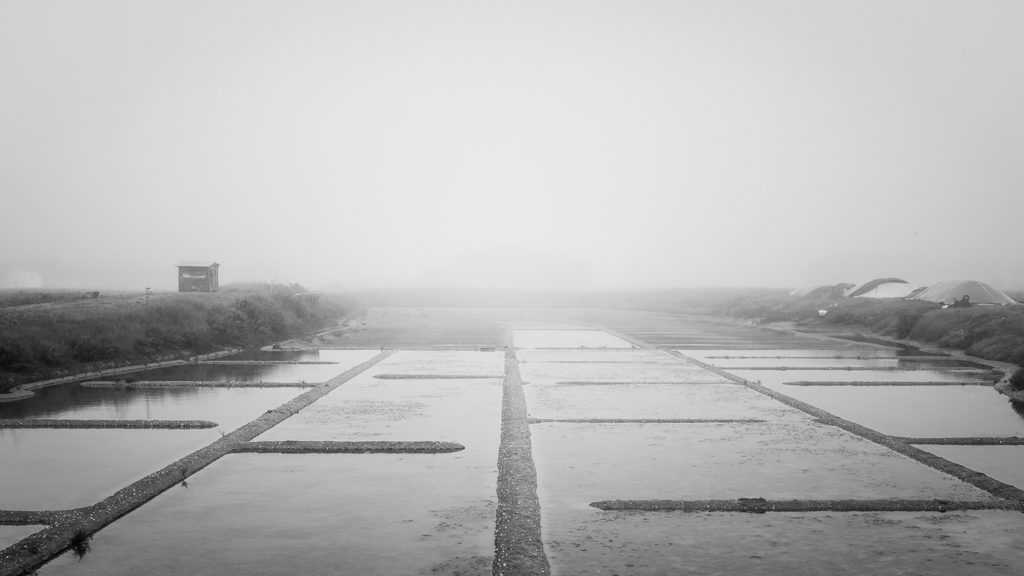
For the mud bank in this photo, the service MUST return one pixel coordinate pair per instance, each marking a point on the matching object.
(760, 505)
(195, 384)
(971, 441)
(258, 362)
(340, 447)
(156, 424)
(647, 420)
(882, 383)
(438, 376)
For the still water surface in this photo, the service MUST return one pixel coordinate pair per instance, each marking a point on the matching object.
(274, 514)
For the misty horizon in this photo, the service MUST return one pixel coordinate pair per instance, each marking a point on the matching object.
(530, 146)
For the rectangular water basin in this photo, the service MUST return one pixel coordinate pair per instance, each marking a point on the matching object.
(228, 407)
(593, 355)
(916, 411)
(796, 544)
(256, 514)
(464, 411)
(654, 401)
(427, 363)
(711, 355)
(775, 377)
(796, 459)
(312, 373)
(567, 339)
(804, 363)
(550, 373)
(1004, 463)
(59, 469)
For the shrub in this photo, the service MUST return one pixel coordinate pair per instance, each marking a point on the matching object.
(38, 341)
(1017, 380)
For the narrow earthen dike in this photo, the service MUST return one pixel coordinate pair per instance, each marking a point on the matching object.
(518, 547)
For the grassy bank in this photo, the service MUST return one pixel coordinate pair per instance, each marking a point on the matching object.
(51, 338)
(991, 332)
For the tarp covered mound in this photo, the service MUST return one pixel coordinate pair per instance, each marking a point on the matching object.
(832, 291)
(980, 292)
(882, 288)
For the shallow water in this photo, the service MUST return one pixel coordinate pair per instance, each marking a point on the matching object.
(59, 469)
(577, 355)
(1004, 463)
(591, 542)
(793, 353)
(307, 514)
(775, 377)
(654, 401)
(443, 362)
(803, 363)
(552, 372)
(895, 363)
(228, 407)
(921, 411)
(567, 339)
(464, 411)
(213, 372)
(313, 373)
(795, 459)
(66, 468)
(347, 357)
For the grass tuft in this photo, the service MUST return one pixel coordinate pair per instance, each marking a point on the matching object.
(1017, 380)
(81, 544)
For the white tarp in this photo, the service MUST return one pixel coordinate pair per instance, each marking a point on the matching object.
(889, 290)
(979, 292)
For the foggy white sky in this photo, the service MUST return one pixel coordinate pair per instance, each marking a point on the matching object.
(544, 144)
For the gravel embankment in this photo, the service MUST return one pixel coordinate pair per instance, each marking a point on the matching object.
(518, 547)
(760, 505)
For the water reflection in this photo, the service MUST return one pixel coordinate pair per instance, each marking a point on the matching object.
(229, 407)
(929, 409)
(312, 373)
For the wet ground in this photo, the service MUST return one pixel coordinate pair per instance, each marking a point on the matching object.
(619, 406)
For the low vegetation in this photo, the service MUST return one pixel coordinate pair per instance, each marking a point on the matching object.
(991, 332)
(51, 339)
(10, 298)
(1017, 380)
